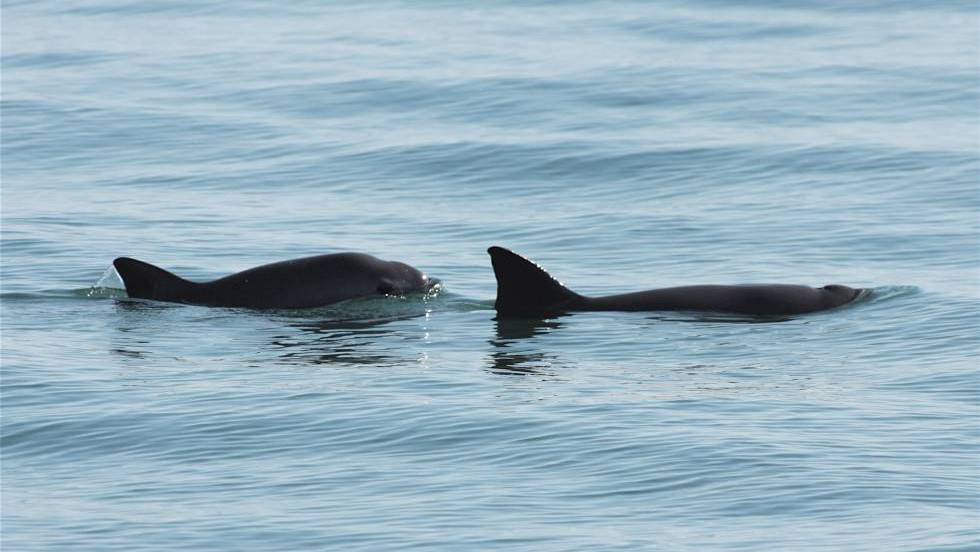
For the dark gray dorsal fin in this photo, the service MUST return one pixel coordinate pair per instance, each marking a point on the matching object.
(145, 281)
(524, 288)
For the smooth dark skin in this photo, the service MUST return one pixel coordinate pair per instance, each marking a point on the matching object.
(295, 284)
(741, 299)
(524, 290)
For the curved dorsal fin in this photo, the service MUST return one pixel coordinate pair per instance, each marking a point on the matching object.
(524, 288)
(145, 281)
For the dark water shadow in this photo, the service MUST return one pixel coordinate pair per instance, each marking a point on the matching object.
(130, 342)
(717, 318)
(130, 306)
(340, 341)
(506, 359)
(358, 332)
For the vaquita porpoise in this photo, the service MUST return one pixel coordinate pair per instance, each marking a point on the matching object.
(524, 289)
(296, 284)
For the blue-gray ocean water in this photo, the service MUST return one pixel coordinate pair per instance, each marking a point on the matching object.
(623, 146)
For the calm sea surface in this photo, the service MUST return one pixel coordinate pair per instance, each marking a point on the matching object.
(622, 145)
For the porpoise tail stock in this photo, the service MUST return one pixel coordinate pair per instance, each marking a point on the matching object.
(295, 284)
(525, 290)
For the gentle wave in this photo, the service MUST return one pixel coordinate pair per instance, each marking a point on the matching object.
(621, 146)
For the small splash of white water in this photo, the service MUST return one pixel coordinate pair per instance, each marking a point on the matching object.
(109, 285)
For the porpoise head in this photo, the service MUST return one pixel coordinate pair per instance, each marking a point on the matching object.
(836, 295)
(401, 278)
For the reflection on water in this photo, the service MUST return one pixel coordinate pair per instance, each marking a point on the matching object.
(717, 317)
(127, 352)
(357, 341)
(369, 332)
(360, 332)
(511, 334)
